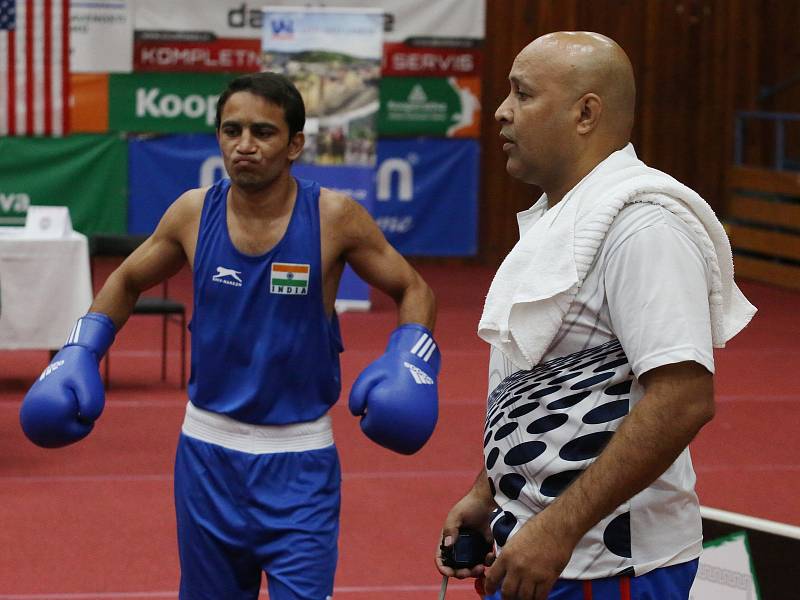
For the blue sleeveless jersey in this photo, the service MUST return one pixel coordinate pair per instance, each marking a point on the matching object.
(263, 349)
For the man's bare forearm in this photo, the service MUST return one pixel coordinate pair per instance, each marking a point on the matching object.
(417, 304)
(116, 299)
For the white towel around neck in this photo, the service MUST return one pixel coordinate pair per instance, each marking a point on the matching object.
(538, 280)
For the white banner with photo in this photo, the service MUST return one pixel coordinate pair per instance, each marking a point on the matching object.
(333, 56)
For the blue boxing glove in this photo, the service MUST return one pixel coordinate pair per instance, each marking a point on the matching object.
(397, 393)
(63, 404)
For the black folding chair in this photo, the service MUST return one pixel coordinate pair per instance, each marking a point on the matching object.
(120, 246)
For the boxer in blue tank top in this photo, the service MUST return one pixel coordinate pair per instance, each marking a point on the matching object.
(242, 299)
(257, 479)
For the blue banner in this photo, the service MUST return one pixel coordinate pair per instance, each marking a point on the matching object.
(426, 199)
(162, 168)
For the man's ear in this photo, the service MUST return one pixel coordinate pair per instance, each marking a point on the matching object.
(296, 145)
(591, 107)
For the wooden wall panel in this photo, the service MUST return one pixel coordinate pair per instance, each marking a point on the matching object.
(696, 63)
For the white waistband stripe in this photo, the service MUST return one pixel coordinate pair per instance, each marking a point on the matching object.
(256, 439)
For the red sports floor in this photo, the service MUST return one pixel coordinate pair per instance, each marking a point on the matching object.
(95, 521)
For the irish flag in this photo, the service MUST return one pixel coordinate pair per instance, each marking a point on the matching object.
(289, 278)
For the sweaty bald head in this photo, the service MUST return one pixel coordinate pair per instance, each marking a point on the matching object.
(585, 62)
(570, 105)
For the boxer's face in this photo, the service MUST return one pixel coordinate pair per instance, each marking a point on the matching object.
(254, 140)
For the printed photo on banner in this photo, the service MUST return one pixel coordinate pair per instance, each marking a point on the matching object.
(334, 58)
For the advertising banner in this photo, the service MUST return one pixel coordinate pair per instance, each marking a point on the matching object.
(334, 58)
(101, 36)
(197, 35)
(221, 19)
(444, 107)
(415, 202)
(86, 173)
(88, 103)
(195, 51)
(162, 168)
(225, 35)
(165, 102)
(406, 60)
(426, 200)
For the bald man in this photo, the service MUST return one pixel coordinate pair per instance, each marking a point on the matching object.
(601, 322)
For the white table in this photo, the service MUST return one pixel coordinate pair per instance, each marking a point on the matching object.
(45, 286)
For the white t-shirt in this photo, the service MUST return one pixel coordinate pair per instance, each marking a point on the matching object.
(643, 304)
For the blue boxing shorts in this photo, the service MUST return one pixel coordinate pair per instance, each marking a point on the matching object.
(271, 505)
(666, 583)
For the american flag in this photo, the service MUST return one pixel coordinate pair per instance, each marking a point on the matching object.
(34, 67)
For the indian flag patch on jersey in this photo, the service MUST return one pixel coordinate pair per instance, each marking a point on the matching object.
(289, 278)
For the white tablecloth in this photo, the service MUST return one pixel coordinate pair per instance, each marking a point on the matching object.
(45, 285)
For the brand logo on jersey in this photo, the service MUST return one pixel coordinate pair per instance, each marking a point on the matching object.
(289, 278)
(50, 368)
(420, 376)
(228, 277)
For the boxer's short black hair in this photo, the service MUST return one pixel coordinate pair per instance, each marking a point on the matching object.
(273, 87)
